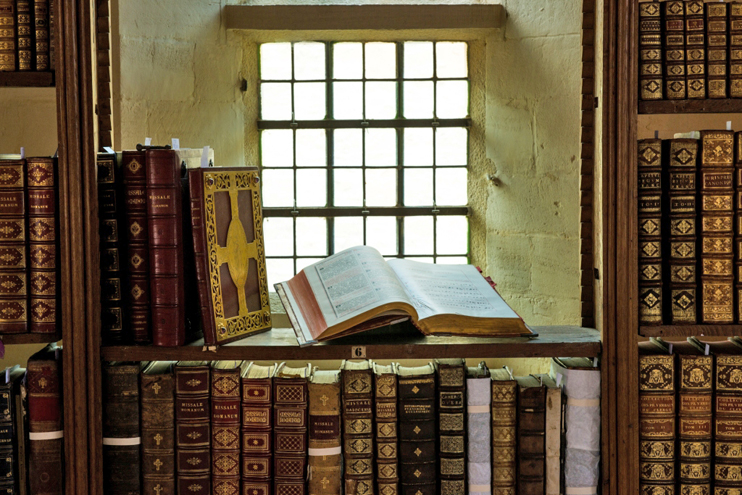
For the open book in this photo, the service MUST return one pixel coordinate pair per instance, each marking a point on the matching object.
(356, 290)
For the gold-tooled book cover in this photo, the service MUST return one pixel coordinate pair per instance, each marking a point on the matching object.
(229, 252)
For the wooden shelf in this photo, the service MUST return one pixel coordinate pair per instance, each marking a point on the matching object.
(27, 79)
(690, 330)
(280, 345)
(691, 106)
(29, 338)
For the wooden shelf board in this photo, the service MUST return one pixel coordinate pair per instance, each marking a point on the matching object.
(731, 105)
(29, 338)
(280, 345)
(690, 330)
(27, 79)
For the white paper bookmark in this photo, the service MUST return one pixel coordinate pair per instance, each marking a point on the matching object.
(176, 143)
(729, 125)
(205, 157)
(23, 152)
(148, 141)
(108, 149)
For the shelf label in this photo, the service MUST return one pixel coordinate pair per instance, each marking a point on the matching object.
(358, 352)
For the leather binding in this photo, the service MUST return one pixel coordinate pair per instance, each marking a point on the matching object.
(121, 441)
(735, 50)
(225, 427)
(531, 435)
(137, 253)
(716, 49)
(257, 422)
(656, 420)
(717, 231)
(290, 397)
(738, 225)
(192, 428)
(20, 425)
(325, 438)
(451, 376)
(553, 435)
(673, 21)
(386, 429)
(13, 253)
(230, 255)
(46, 436)
(680, 247)
(52, 36)
(358, 436)
(42, 237)
(158, 428)
(41, 30)
(418, 466)
(650, 238)
(25, 32)
(650, 51)
(695, 49)
(165, 225)
(479, 430)
(504, 436)
(110, 221)
(7, 35)
(9, 418)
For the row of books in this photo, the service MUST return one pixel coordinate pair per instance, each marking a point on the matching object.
(690, 228)
(26, 35)
(231, 427)
(690, 49)
(28, 245)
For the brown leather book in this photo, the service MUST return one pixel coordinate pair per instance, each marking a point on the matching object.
(451, 375)
(229, 252)
(325, 439)
(358, 416)
(656, 420)
(717, 226)
(25, 34)
(121, 441)
(137, 252)
(41, 24)
(386, 430)
(479, 430)
(531, 435)
(735, 50)
(738, 224)
(257, 421)
(192, 428)
(504, 436)
(7, 35)
(650, 51)
(158, 428)
(717, 38)
(673, 21)
(10, 421)
(418, 466)
(650, 238)
(20, 432)
(225, 427)
(290, 397)
(695, 49)
(13, 253)
(42, 241)
(165, 225)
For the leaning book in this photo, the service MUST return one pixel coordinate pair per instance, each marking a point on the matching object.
(356, 290)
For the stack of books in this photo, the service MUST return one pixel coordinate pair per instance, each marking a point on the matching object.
(26, 35)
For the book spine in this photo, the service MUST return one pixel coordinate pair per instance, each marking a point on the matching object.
(42, 237)
(656, 424)
(717, 231)
(695, 49)
(452, 399)
(650, 51)
(650, 220)
(121, 441)
(225, 431)
(192, 430)
(201, 261)
(479, 429)
(165, 225)
(417, 434)
(290, 436)
(52, 36)
(137, 253)
(674, 57)
(728, 425)
(158, 434)
(387, 443)
(325, 443)
(735, 50)
(8, 444)
(257, 422)
(358, 438)
(553, 440)
(738, 226)
(695, 404)
(716, 49)
(7, 35)
(20, 425)
(41, 29)
(13, 249)
(25, 31)
(504, 436)
(531, 440)
(680, 243)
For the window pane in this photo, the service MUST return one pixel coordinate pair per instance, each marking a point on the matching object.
(381, 187)
(347, 100)
(421, 259)
(452, 260)
(348, 187)
(311, 187)
(275, 101)
(277, 148)
(278, 187)
(418, 99)
(309, 61)
(278, 271)
(275, 61)
(450, 187)
(311, 148)
(381, 147)
(302, 263)
(452, 99)
(348, 145)
(347, 61)
(418, 59)
(311, 236)
(452, 235)
(381, 100)
(418, 235)
(348, 232)
(381, 60)
(381, 233)
(418, 147)
(450, 146)
(309, 101)
(418, 187)
(279, 236)
(451, 59)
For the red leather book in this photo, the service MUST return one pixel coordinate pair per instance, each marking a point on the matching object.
(46, 434)
(137, 253)
(13, 255)
(192, 428)
(41, 20)
(165, 225)
(42, 244)
(257, 422)
(225, 427)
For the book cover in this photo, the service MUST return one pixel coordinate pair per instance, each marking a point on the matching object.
(158, 428)
(13, 247)
(673, 20)
(192, 428)
(325, 438)
(386, 431)
(504, 435)
(650, 51)
(257, 423)
(650, 231)
(225, 427)
(358, 416)
(717, 30)
(7, 35)
(418, 466)
(531, 463)
(553, 435)
(290, 396)
(479, 430)
(452, 401)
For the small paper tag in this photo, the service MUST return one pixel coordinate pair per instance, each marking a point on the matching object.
(108, 149)
(358, 352)
(729, 125)
(23, 152)
(148, 141)
(669, 349)
(656, 134)
(595, 362)
(176, 143)
(205, 157)
(7, 375)
(706, 352)
(559, 379)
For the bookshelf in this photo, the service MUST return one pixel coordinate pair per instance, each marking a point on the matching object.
(727, 105)
(26, 79)
(28, 338)
(682, 331)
